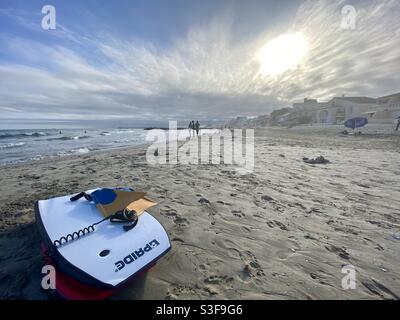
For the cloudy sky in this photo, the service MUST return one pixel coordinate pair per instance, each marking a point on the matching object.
(173, 59)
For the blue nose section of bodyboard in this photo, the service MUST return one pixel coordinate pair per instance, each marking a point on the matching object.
(104, 196)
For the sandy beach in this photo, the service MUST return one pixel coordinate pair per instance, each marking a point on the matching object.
(283, 231)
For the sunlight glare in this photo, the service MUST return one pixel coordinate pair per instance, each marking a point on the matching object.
(282, 53)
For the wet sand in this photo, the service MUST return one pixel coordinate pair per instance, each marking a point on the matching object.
(283, 231)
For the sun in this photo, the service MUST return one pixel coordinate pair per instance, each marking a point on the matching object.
(282, 53)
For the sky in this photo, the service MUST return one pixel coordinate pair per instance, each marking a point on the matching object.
(143, 61)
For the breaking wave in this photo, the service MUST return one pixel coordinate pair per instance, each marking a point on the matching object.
(11, 145)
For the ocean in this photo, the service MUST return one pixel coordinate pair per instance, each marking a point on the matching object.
(24, 145)
(27, 144)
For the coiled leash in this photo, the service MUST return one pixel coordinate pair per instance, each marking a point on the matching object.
(129, 217)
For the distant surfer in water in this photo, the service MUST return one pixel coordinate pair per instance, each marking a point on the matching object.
(398, 124)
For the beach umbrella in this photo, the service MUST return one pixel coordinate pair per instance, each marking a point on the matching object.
(356, 122)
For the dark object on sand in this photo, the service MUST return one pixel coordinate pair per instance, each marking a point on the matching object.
(356, 122)
(317, 160)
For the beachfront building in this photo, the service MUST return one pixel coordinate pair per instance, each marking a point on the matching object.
(339, 109)
(249, 122)
(387, 109)
(336, 111)
(305, 112)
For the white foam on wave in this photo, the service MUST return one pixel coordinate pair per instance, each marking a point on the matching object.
(12, 145)
(81, 150)
(124, 131)
(121, 141)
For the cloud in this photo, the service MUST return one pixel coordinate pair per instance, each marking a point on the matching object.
(205, 74)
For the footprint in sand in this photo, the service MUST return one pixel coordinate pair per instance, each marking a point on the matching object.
(224, 203)
(212, 211)
(172, 214)
(321, 277)
(251, 266)
(175, 291)
(379, 289)
(214, 282)
(341, 252)
(267, 198)
(233, 253)
(238, 213)
(214, 279)
(204, 201)
(280, 225)
(230, 248)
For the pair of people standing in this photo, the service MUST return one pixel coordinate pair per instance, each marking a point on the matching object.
(195, 127)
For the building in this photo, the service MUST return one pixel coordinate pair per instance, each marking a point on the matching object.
(386, 110)
(306, 105)
(306, 111)
(340, 109)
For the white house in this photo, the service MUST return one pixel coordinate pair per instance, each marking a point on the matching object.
(386, 110)
(339, 109)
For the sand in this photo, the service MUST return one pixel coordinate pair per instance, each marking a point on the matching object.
(283, 231)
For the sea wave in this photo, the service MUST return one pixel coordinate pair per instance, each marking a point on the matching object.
(11, 145)
(80, 151)
(121, 141)
(22, 135)
(124, 131)
(68, 138)
(83, 150)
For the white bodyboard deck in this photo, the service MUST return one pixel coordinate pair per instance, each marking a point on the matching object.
(129, 251)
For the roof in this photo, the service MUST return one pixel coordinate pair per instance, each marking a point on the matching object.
(392, 97)
(357, 99)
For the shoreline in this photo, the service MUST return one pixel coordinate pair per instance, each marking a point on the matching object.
(50, 158)
(323, 130)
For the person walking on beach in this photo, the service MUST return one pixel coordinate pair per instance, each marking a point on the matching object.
(191, 127)
(197, 127)
(398, 124)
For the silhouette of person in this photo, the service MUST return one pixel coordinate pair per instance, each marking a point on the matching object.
(191, 128)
